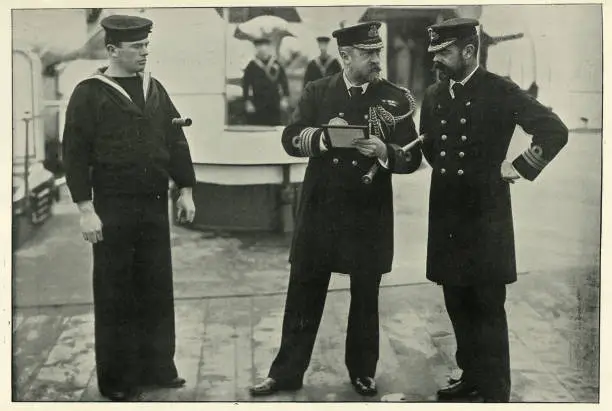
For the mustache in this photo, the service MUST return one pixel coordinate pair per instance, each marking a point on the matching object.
(438, 66)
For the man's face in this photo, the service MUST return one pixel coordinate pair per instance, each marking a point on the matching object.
(263, 50)
(131, 55)
(362, 65)
(323, 47)
(452, 61)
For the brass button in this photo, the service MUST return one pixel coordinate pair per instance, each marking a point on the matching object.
(443, 170)
(463, 138)
(461, 154)
(444, 137)
(443, 121)
(460, 172)
(335, 161)
(468, 103)
(354, 162)
(463, 121)
(442, 153)
(341, 114)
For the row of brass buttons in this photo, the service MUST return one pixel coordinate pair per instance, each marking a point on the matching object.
(461, 120)
(336, 161)
(459, 172)
(443, 154)
(444, 137)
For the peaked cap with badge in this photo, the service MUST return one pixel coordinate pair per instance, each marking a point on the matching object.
(448, 32)
(363, 36)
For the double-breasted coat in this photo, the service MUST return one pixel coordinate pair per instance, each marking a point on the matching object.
(470, 234)
(344, 225)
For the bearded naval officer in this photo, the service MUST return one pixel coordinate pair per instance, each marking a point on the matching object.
(120, 150)
(343, 225)
(469, 119)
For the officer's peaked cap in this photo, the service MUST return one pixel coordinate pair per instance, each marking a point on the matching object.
(362, 36)
(448, 32)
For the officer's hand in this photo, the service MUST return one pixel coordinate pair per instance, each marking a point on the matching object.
(91, 226)
(249, 107)
(508, 172)
(371, 147)
(284, 104)
(185, 206)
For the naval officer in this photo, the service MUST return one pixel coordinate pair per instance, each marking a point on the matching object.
(469, 119)
(343, 225)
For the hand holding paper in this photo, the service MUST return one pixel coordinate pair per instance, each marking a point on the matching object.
(371, 147)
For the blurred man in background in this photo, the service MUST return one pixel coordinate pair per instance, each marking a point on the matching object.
(120, 149)
(322, 66)
(265, 88)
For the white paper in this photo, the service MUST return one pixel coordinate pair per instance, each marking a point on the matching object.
(343, 137)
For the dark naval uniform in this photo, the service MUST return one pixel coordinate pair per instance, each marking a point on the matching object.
(264, 83)
(470, 248)
(343, 225)
(120, 145)
(319, 68)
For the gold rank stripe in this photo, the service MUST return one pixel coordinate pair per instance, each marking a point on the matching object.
(533, 160)
(306, 141)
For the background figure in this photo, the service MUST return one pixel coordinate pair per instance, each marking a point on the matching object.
(403, 61)
(322, 66)
(120, 149)
(264, 87)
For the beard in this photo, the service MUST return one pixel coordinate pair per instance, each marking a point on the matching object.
(371, 74)
(445, 72)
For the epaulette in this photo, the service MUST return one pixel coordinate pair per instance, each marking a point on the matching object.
(391, 112)
(405, 92)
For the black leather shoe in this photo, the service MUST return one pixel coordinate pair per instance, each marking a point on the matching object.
(270, 386)
(457, 390)
(119, 395)
(176, 382)
(365, 386)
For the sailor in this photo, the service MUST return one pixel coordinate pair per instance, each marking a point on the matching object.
(120, 150)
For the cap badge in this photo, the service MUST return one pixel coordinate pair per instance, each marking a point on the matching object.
(373, 31)
(433, 35)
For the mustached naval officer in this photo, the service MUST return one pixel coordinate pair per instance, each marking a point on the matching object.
(121, 148)
(265, 88)
(343, 225)
(469, 119)
(322, 66)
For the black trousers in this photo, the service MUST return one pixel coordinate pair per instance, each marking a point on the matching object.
(266, 116)
(481, 330)
(303, 311)
(133, 293)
